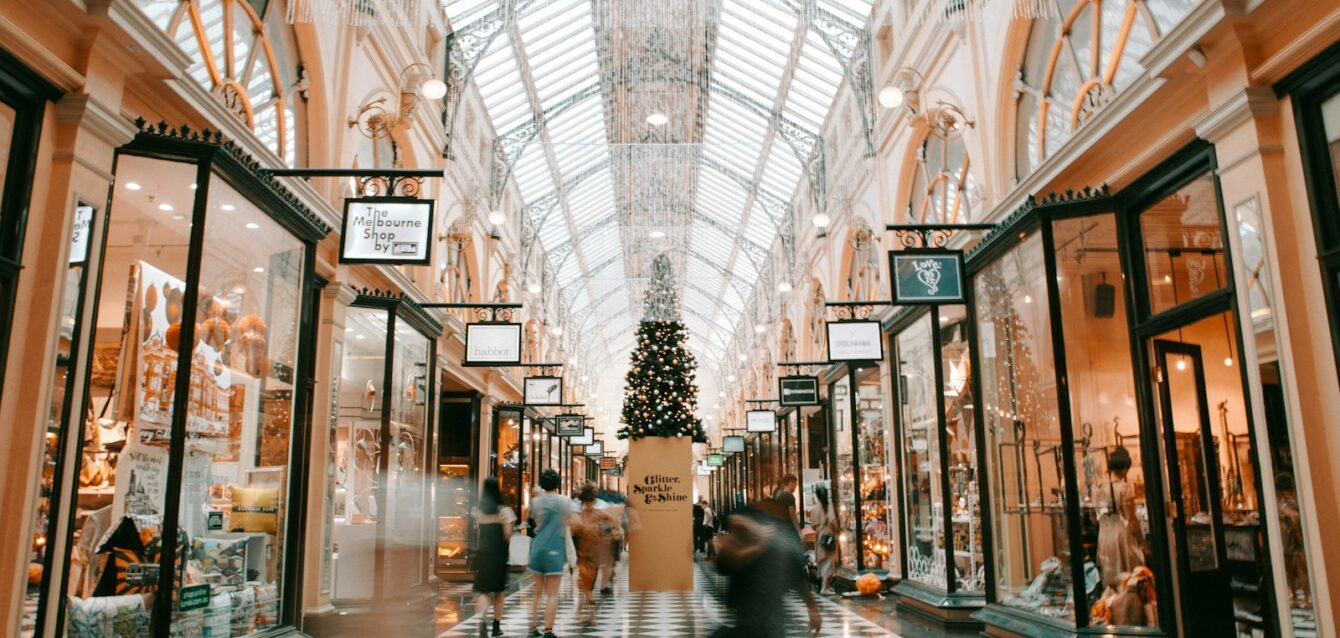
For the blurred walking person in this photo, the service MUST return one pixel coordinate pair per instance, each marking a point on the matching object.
(548, 550)
(764, 560)
(826, 526)
(709, 530)
(594, 530)
(698, 514)
(496, 522)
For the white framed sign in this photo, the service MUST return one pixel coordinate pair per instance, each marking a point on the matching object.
(387, 230)
(543, 391)
(82, 228)
(760, 421)
(569, 425)
(588, 437)
(594, 449)
(732, 444)
(855, 341)
(492, 344)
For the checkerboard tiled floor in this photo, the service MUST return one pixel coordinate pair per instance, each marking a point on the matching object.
(661, 614)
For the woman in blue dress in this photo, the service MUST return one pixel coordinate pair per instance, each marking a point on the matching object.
(548, 549)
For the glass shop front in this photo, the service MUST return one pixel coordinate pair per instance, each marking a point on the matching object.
(457, 458)
(184, 382)
(858, 448)
(1116, 442)
(935, 433)
(383, 540)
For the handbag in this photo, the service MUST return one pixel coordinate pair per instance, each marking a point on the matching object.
(827, 541)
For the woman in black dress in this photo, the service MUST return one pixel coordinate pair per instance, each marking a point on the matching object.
(495, 522)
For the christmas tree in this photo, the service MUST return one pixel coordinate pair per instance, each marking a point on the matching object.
(660, 396)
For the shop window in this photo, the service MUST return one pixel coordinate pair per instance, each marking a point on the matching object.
(381, 516)
(1024, 451)
(1183, 245)
(244, 54)
(844, 478)
(920, 427)
(1076, 62)
(191, 404)
(943, 188)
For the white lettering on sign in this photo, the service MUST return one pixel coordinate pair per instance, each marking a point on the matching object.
(387, 231)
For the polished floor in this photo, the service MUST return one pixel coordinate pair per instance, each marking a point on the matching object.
(661, 614)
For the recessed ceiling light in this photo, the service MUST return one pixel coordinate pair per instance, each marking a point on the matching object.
(656, 234)
(557, 331)
(760, 328)
(359, 336)
(165, 207)
(731, 378)
(533, 287)
(179, 217)
(258, 269)
(657, 119)
(783, 286)
(497, 217)
(132, 186)
(253, 226)
(228, 208)
(821, 220)
(743, 357)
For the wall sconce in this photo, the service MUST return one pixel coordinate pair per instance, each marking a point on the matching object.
(944, 120)
(417, 79)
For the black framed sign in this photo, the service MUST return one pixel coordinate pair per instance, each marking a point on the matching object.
(927, 276)
(387, 230)
(855, 341)
(798, 390)
(569, 424)
(492, 344)
(594, 449)
(716, 460)
(542, 391)
(760, 421)
(587, 437)
(732, 444)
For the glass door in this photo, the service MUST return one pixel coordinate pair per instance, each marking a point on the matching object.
(508, 456)
(1211, 478)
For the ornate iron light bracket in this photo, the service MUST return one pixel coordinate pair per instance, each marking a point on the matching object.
(931, 235)
(849, 310)
(484, 312)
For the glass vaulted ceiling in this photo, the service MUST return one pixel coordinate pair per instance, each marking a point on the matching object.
(610, 190)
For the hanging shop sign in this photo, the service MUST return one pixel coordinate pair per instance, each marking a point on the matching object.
(83, 226)
(798, 390)
(492, 344)
(732, 444)
(543, 391)
(387, 230)
(760, 421)
(927, 276)
(569, 424)
(594, 449)
(609, 463)
(587, 437)
(855, 341)
(716, 460)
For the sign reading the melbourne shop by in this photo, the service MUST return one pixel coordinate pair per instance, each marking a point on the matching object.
(927, 276)
(797, 390)
(655, 491)
(855, 341)
(387, 230)
(492, 344)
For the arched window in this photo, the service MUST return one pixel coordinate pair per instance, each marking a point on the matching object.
(942, 186)
(1077, 62)
(244, 53)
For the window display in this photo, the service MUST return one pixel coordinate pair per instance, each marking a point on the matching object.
(1024, 450)
(877, 513)
(184, 467)
(381, 498)
(939, 456)
(844, 476)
